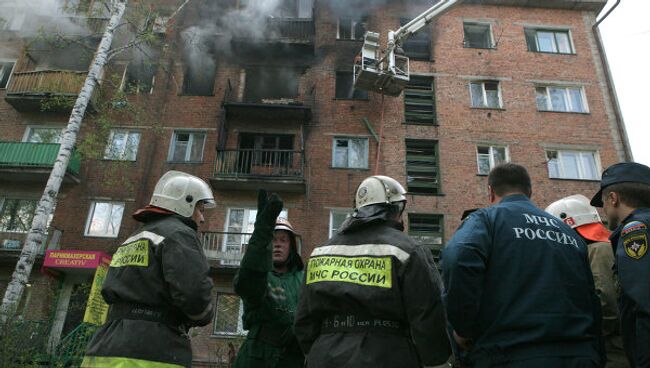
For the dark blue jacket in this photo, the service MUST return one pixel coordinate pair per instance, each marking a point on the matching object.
(633, 267)
(518, 283)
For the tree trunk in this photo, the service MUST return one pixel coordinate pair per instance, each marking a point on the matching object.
(38, 231)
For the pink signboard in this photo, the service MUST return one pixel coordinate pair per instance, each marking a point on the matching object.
(85, 259)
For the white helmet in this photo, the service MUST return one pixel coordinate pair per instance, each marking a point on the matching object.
(574, 210)
(179, 192)
(378, 189)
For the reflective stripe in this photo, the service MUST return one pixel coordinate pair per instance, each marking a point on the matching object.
(155, 238)
(198, 317)
(379, 250)
(117, 362)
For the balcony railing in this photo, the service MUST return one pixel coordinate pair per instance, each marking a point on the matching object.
(225, 247)
(62, 82)
(286, 30)
(34, 155)
(252, 163)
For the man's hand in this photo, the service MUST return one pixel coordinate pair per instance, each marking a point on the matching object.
(268, 209)
(465, 344)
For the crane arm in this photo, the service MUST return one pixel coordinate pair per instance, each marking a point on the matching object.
(421, 21)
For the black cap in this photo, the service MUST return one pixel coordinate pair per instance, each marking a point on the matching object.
(624, 172)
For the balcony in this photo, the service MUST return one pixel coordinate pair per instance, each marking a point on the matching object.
(225, 249)
(257, 104)
(250, 169)
(11, 243)
(46, 90)
(295, 33)
(32, 162)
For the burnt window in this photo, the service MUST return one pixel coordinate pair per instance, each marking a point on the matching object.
(418, 46)
(345, 87)
(419, 101)
(478, 35)
(428, 230)
(267, 85)
(139, 77)
(351, 28)
(274, 150)
(198, 78)
(422, 169)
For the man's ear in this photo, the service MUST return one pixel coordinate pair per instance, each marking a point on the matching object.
(613, 197)
(492, 195)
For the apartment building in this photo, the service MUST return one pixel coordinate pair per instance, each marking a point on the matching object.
(249, 94)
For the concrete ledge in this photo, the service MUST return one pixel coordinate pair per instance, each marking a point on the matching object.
(593, 5)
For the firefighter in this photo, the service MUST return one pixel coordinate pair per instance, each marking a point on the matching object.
(157, 285)
(268, 282)
(518, 287)
(576, 212)
(371, 296)
(624, 196)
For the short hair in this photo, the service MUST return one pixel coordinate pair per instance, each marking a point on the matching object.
(509, 178)
(635, 195)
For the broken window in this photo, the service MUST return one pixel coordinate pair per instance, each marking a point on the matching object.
(419, 101)
(345, 87)
(351, 28)
(139, 77)
(187, 147)
(418, 46)
(350, 153)
(553, 41)
(422, 168)
(478, 35)
(485, 94)
(270, 85)
(487, 157)
(6, 67)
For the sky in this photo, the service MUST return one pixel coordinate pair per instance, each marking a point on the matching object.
(626, 35)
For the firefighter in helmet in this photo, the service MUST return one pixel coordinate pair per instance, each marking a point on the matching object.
(158, 283)
(576, 212)
(268, 281)
(372, 295)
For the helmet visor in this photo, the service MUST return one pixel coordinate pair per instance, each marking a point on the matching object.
(209, 203)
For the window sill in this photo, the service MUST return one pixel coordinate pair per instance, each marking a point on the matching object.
(566, 112)
(349, 39)
(573, 179)
(420, 124)
(480, 48)
(185, 162)
(426, 194)
(350, 99)
(117, 159)
(228, 336)
(189, 95)
(101, 236)
(554, 53)
(488, 108)
(350, 168)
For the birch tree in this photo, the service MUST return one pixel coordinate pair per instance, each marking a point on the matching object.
(38, 231)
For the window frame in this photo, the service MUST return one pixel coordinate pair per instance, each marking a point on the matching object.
(337, 211)
(30, 128)
(567, 99)
(348, 138)
(436, 249)
(492, 44)
(188, 153)
(353, 25)
(3, 201)
(484, 94)
(137, 91)
(240, 324)
(121, 156)
(91, 214)
(535, 32)
(492, 161)
(581, 168)
(411, 88)
(11, 72)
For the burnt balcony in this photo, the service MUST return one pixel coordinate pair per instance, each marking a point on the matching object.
(46, 90)
(32, 162)
(295, 33)
(249, 169)
(258, 102)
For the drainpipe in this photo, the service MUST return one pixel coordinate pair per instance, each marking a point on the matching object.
(627, 151)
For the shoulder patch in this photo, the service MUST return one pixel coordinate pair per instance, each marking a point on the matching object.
(633, 226)
(636, 245)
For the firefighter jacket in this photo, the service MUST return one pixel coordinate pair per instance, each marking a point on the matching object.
(601, 259)
(518, 284)
(157, 287)
(371, 298)
(270, 301)
(630, 240)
